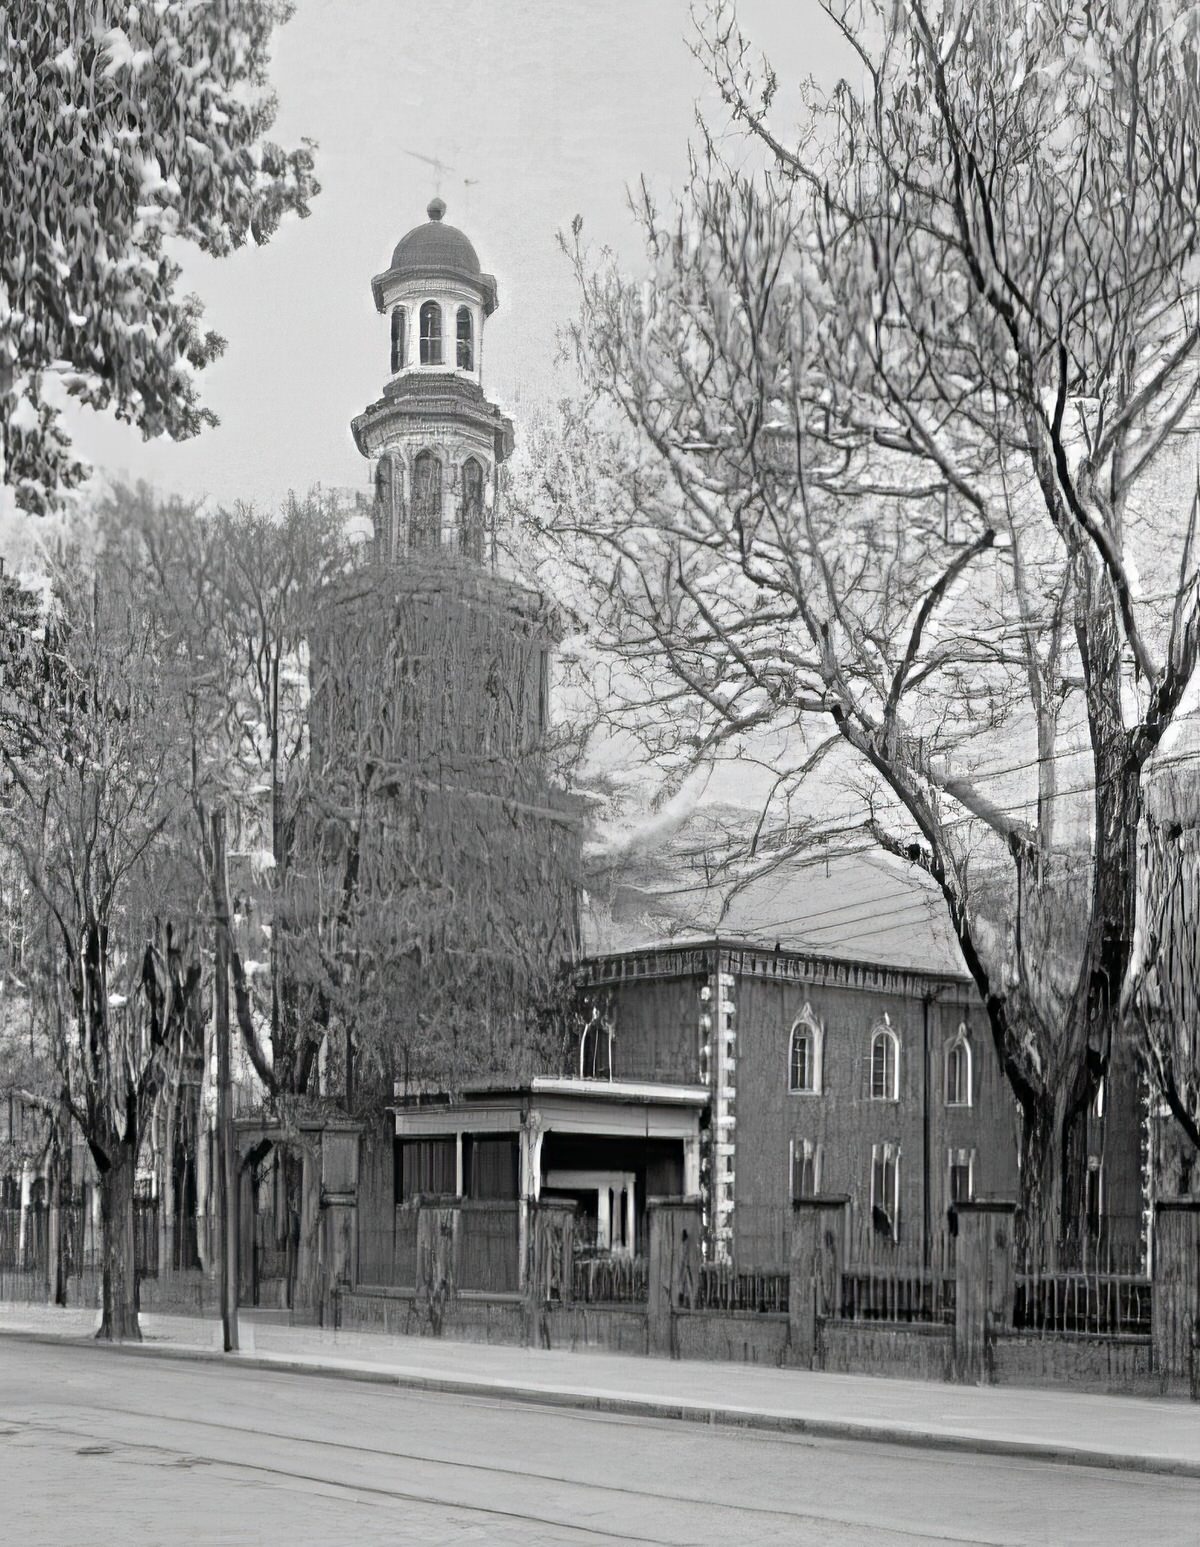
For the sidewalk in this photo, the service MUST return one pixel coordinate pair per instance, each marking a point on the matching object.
(1128, 1433)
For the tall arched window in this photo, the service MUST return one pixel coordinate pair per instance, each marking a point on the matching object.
(471, 516)
(398, 339)
(426, 528)
(466, 340)
(885, 1065)
(383, 506)
(958, 1071)
(431, 333)
(804, 1055)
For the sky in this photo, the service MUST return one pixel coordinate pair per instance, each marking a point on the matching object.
(544, 109)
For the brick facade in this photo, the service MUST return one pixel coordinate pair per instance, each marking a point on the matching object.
(667, 1006)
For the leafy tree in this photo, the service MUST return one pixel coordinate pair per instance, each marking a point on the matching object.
(237, 592)
(881, 458)
(124, 127)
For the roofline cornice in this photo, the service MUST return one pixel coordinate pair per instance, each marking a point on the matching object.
(750, 960)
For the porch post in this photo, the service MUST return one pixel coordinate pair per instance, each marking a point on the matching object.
(631, 1216)
(691, 1166)
(529, 1148)
(603, 1220)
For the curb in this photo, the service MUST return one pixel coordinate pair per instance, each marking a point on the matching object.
(638, 1407)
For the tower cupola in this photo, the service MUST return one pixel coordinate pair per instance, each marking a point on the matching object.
(435, 440)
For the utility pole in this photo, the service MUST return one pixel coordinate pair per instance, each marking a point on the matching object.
(227, 1170)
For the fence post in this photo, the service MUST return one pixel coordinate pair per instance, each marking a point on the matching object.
(437, 1259)
(548, 1274)
(339, 1212)
(673, 1265)
(815, 1271)
(984, 1282)
(1175, 1289)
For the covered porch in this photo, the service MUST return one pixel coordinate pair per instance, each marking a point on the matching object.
(605, 1145)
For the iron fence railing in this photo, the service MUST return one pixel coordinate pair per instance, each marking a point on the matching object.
(1083, 1301)
(604, 1280)
(873, 1292)
(723, 1286)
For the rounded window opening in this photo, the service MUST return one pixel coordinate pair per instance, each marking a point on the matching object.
(958, 1071)
(426, 528)
(398, 339)
(471, 516)
(885, 1065)
(466, 339)
(431, 333)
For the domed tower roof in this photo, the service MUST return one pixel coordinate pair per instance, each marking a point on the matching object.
(435, 245)
(436, 251)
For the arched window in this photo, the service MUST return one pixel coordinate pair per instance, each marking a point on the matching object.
(885, 1065)
(383, 506)
(431, 333)
(804, 1055)
(398, 339)
(471, 516)
(426, 528)
(466, 340)
(958, 1071)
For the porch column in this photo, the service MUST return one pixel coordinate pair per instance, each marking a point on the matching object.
(691, 1166)
(631, 1216)
(26, 1187)
(529, 1148)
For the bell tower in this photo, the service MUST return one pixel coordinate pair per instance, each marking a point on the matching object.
(434, 440)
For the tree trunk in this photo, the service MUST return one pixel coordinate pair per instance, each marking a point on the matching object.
(1050, 1220)
(118, 1263)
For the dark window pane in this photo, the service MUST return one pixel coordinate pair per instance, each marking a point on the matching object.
(426, 529)
(466, 341)
(471, 519)
(431, 333)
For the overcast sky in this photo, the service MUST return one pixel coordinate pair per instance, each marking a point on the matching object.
(550, 107)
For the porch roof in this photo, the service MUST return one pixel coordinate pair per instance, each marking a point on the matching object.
(632, 1108)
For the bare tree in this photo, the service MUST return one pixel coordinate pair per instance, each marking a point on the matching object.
(874, 456)
(1162, 993)
(96, 789)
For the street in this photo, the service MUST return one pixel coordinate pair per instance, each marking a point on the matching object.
(101, 1448)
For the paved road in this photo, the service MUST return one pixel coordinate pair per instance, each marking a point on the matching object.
(99, 1448)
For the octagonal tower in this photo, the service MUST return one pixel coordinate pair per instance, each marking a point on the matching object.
(434, 439)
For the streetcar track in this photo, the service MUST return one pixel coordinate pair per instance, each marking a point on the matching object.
(795, 1517)
(376, 1490)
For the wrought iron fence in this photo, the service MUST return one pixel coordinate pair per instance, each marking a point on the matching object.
(724, 1286)
(605, 1280)
(879, 1293)
(1083, 1301)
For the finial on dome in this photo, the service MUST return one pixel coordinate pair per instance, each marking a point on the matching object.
(436, 209)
